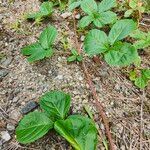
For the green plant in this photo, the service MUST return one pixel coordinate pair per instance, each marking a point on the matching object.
(115, 51)
(143, 39)
(75, 56)
(135, 8)
(46, 9)
(78, 130)
(42, 48)
(141, 80)
(99, 14)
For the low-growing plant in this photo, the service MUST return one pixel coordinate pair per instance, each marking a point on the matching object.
(99, 14)
(115, 51)
(78, 130)
(43, 47)
(46, 10)
(75, 56)
(142, 39)
(135, 9)
(140, 79)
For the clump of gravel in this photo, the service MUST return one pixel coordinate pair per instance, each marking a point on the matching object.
(22, 83)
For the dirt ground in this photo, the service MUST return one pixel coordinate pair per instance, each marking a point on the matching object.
(127, 108)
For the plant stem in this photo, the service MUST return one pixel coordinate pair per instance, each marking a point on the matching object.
(94, 93)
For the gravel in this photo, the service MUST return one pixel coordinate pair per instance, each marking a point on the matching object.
(5, 136)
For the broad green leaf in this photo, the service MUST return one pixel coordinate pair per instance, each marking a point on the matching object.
(36, 52)
(74, 52)
(56, 104)
(122, 55)
(105, 5)
(48, 36)
(133, 3)
(46, 8)
(74, 5)
(138, 34)
(34, 15)
(95, 42)
(107, 17)
(72, 58)
(79, 58)
(121, 29)
(85, 21)
(79, 131)
(128, 13)
(146, 73)
(89, 6)
(32, 127)
(141, 82)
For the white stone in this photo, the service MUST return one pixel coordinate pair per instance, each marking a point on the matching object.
(77, 16)
(10, 127)
(5, 136)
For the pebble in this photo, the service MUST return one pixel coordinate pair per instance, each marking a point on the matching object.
(66, 15)
(10, 127)
(30, 106)
(3, 72)
(78, 16)
(7, 62)
(59, 77)
(15, 114)
(5, 136)
(82, 38)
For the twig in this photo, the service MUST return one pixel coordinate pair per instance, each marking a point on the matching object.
(141, 122)
(94, 93)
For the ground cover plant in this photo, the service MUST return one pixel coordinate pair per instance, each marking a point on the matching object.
(78, 130)
(43, 47)
(46, 10)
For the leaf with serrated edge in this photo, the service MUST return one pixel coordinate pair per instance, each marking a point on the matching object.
(48, 36)
(56, 104)
(32, 127)
(46, 8)
(95, 42)
(74, 5)
(105, 5)
(85, 21)
(89, 6)
(123, 55)
(121, 29)
(79, 131)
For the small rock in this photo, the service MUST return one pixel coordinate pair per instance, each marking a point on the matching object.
(7, 62)
(60, 77)
(78, 16)
(66, 15)
(80, 78)
(15, 114)
(3, 72)
(5, 136)
(15, 99)
(10, 127)
(82, 38)
(30, 106)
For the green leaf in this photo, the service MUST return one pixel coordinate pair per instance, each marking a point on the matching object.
(85, 21)
(132, 75)
(121, 29)
(128, 13)
(79, 131)
(133, 3)
(74, 5)
(56, 104)
(74, 52)
(146, 73)
(106, 5)
(138, 34)
(105, 18)
(121, 55)
(46, 8)
(32, 127)
(79, 58)
(141, 82)
(95, 42)
(89, 6)
(48, 36)
(36, 52)
(72, 58)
